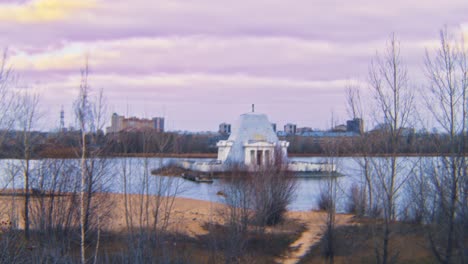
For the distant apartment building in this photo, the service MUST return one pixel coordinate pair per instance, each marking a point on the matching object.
(120, 123)
(340, 128)
(224, 128)
(290, 129)
(385, 127)
(158, 123)
(355, 125)
(302, 130)
(352, 128)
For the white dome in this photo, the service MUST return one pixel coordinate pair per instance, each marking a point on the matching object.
(251, 127)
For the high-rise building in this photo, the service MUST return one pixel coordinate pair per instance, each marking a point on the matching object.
(355, 125)
(120, 123)
(158, 124)
(290, 129)
(224, 128)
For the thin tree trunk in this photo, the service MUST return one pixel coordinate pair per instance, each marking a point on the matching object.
(26, 199)
(82, 198)
(98, 238)
(452, 208)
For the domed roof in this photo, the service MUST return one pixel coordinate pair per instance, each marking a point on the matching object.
(250, 128)
(253, 127)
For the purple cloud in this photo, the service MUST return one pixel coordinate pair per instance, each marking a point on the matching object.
(291, 58)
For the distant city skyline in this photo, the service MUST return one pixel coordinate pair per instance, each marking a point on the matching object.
(203, 62)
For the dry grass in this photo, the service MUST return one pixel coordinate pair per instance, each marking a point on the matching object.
(197, 234)
(356, 244)
(187, 240)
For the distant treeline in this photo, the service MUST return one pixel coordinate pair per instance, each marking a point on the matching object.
(59, 145)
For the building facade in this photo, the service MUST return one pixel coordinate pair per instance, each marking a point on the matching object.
(224, 128)
(301, 130)
(158, 123)
(290, 129)
(120, 123)
(355, 125)
(252, 143)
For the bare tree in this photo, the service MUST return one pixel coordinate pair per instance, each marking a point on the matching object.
(8, 107)
(57, 208)
(11, 171)
(8, 98)
(394, 98)
(354, 101)
(83, 114)
(27, 118)
(362, 195)
(148, 200)
(90, 113)
(54, 214)
(11, 246)
(328, 199)
(256, 195)
(447, 73)
(163, 141)
(274, 188)
(237, 214)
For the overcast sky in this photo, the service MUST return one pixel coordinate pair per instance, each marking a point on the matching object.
(203, 62)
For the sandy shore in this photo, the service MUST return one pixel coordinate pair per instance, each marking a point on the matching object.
(187, 216)
(189, 213)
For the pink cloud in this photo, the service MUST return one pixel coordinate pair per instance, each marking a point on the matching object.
(210, 54)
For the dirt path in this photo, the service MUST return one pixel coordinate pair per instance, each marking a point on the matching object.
(314, 222)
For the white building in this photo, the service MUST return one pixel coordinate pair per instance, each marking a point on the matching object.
(252, 142)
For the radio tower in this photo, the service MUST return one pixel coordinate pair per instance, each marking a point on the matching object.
(62, 120)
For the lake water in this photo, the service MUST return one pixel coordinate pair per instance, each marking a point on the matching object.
(308, 189)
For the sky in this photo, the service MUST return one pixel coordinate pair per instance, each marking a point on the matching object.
(199, 63)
